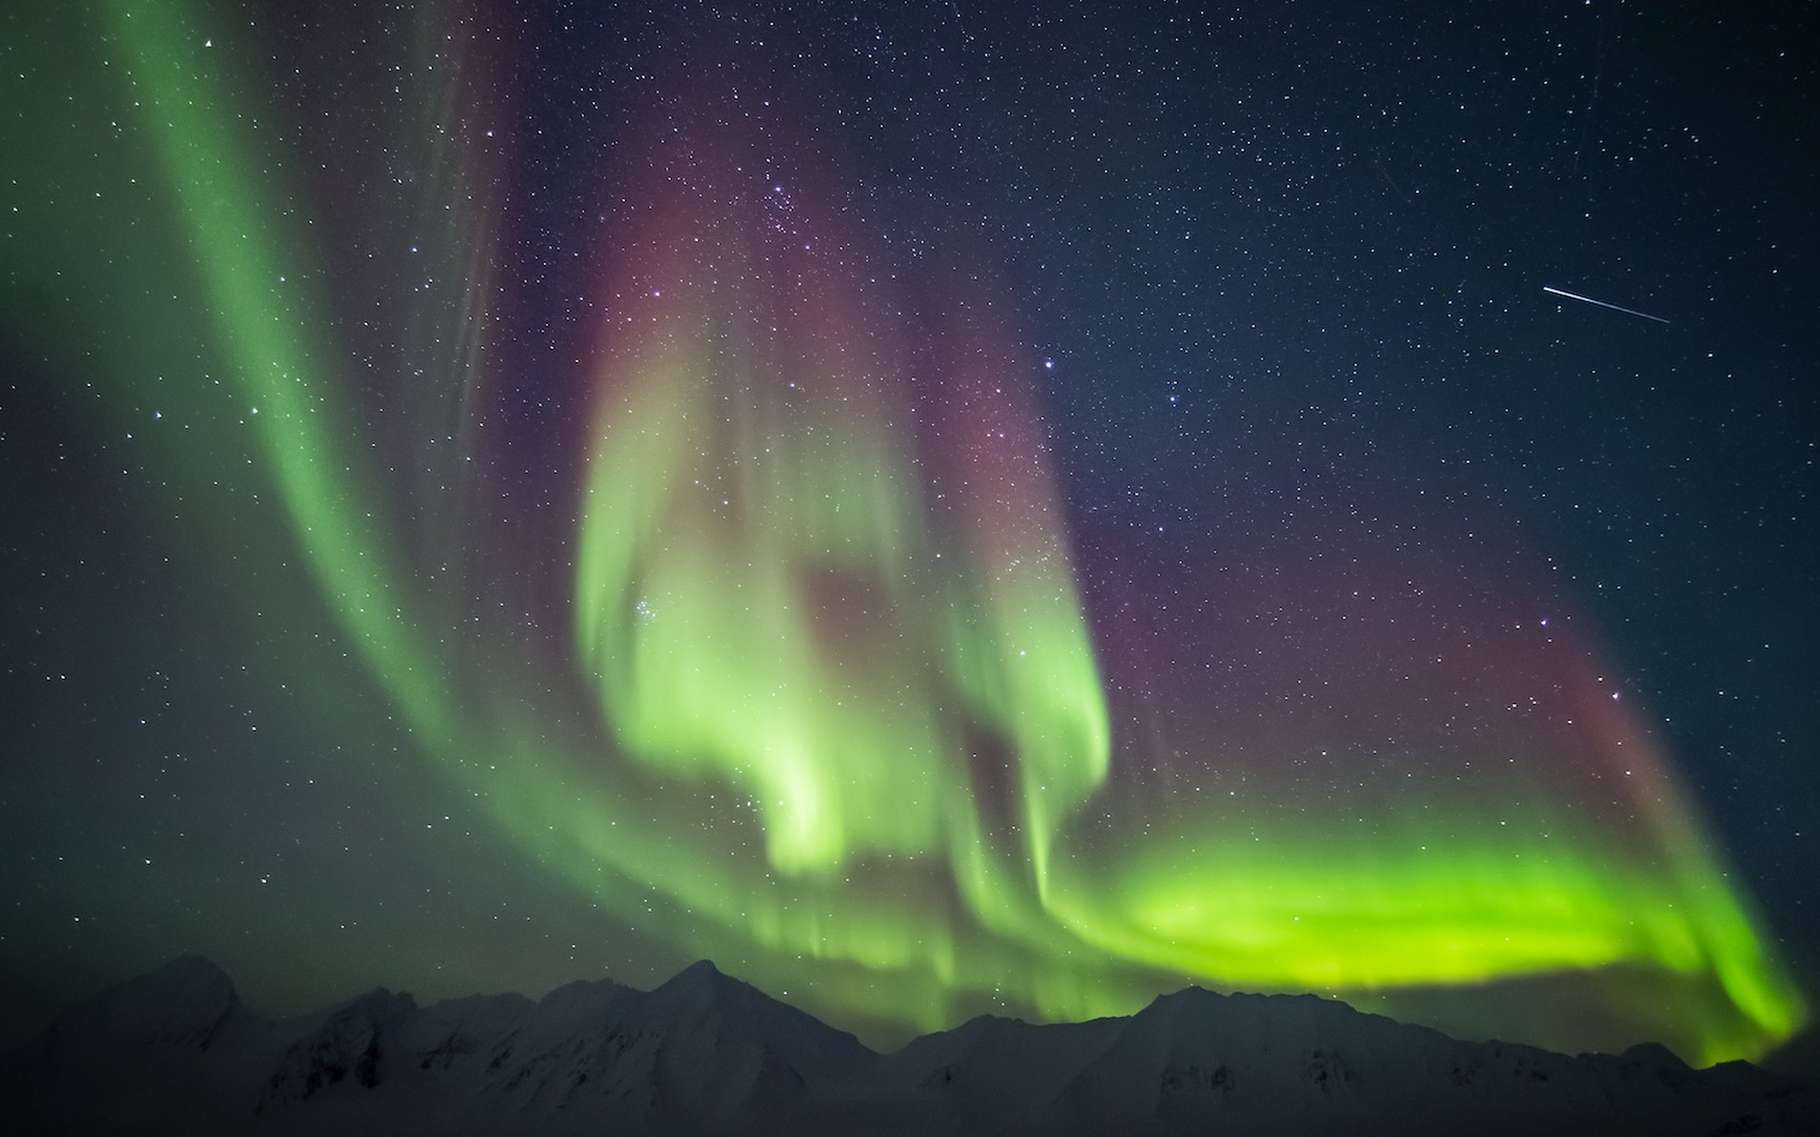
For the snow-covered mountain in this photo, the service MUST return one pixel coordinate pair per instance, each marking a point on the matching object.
(1199, 1062)
(175, 1051)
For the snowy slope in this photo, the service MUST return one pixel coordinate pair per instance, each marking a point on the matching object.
(176, 1052)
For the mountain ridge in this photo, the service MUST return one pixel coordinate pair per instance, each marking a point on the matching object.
(176, 1050)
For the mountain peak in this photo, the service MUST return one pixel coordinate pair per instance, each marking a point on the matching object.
(1655, 1054)
(188, 995)
(700, 978)
(1189, 994)
(584, 991)
(701, 968)
(184, 1003)
(192, 965)
(185, 980)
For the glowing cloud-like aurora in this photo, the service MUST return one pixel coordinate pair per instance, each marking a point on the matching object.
(832, 689)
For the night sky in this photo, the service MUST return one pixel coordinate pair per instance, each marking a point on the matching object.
(940, 508)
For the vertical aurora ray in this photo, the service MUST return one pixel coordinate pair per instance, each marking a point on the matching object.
(832, 697)
(764, 592)
(264, 316)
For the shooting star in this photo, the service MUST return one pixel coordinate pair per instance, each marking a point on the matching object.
(1603, 304)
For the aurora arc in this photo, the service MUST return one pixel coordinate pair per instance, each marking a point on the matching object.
(834, 693)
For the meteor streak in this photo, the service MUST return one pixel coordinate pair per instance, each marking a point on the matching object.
(1603, 304)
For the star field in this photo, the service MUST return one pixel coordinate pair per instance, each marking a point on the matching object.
(940, 508)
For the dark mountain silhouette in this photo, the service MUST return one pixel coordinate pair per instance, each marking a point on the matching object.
(175, 1051)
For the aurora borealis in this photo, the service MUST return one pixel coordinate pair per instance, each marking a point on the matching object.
(714, 535)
